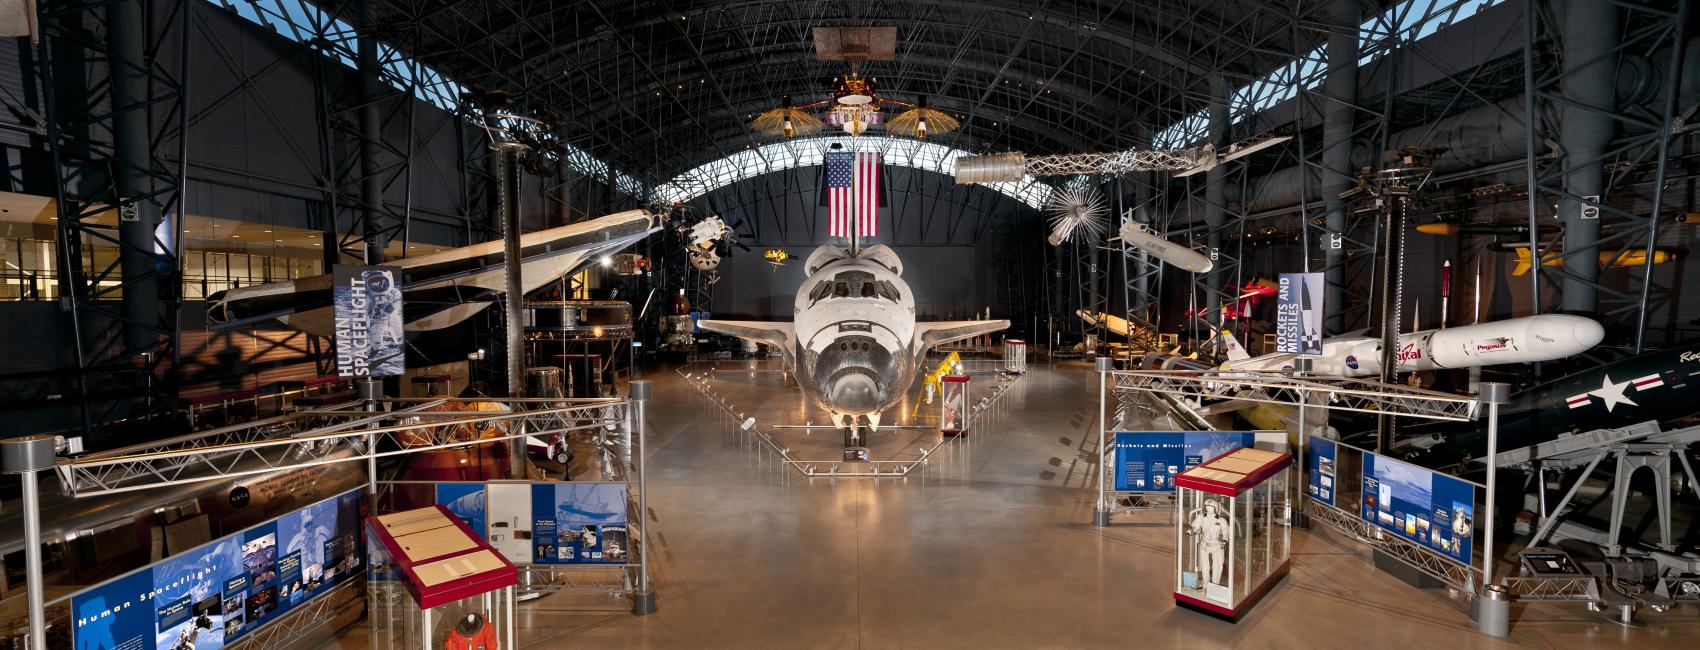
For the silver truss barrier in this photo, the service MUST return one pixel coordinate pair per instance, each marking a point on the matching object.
(310, 617)
(198, 457)
(835, 468)
(614, 580)
(222, 438)
(1276, 388)
(1459, 576)
(1135, 502)
(1553, 588)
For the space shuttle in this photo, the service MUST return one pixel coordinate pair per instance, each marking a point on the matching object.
(853, 345)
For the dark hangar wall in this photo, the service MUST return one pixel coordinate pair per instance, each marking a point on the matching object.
(963, 247)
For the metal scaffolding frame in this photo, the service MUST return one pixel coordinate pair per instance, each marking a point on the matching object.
(1581, 181)
(108, 129)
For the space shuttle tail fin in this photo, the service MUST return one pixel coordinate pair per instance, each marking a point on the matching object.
(1232, 345)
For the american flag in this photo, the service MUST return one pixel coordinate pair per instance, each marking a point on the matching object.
(852, 192)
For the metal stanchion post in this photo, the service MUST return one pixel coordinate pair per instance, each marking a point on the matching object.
(1101, 513)
(371, 392)
(643, 602)
(1493, 608)
(1302, 367)
(25, 456)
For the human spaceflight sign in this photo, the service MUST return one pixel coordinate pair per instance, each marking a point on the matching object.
(1298, 313)
(369, 337)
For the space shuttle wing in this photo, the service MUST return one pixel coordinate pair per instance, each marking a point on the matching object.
(782, 336)
(928, 335)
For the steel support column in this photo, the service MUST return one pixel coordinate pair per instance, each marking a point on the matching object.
(1340, 90)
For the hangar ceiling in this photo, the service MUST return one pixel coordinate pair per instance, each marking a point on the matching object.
(656, 88)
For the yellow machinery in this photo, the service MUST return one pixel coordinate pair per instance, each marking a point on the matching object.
(930, 385)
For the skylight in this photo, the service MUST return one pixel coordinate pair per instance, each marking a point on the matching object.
(302, 22)
(1407, 22)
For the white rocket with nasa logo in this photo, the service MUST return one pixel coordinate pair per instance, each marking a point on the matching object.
(1530, 339)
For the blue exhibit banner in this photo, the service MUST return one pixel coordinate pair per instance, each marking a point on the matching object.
(210, 596)
(1147, 461)
(1298, 313)
(1432, 509)
(1319, 461)
(367, 307)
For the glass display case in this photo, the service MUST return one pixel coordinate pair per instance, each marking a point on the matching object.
(1015, 356)
(433, 584)
(1234, 537)
(953, 409)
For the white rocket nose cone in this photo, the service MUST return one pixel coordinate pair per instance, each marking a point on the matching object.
(1587, 332)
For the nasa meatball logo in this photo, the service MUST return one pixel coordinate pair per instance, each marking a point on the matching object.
(1352, 361)
(239, 497)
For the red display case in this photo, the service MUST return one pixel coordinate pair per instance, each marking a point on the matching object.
(433, 583)
(1234, 538)
(953, 405)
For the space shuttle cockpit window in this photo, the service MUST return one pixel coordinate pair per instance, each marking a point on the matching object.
(887, 291)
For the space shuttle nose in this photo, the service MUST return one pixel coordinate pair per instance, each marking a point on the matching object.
(855, 393)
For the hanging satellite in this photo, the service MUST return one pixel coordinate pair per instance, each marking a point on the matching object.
(856, 103)
(701, 240)
(1077, 214)
(776, 257)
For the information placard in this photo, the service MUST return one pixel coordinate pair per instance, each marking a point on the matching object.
(210, 596)
(1432, 509)
(1147, 461)
(1320, 468)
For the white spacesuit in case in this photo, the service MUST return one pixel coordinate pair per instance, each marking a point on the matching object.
(1210, 532)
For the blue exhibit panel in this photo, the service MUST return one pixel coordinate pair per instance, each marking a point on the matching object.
(579, 523)
(214, 594)
(1320, 467)
(1432, 509)
(1147, 461)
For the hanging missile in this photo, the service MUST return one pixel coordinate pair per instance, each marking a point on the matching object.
(1608, 259)
(1530, 339)
(1452, 228)
(1183, 258)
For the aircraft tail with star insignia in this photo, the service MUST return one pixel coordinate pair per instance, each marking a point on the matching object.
(1659, 386)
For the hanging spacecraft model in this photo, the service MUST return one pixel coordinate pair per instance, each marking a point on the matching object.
(1173, 254)
(439, 289)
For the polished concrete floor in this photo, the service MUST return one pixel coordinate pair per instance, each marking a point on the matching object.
(992, 547)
